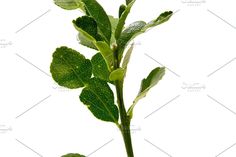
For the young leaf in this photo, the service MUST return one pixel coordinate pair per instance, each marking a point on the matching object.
(69, 68)
(117, 74)
(106, 52)
(99, 99)
(122, 20)
(137, 28)
(87, 26)
(161, 19)
(128, 34)
(127, 59)
(100, 69)
(70, 4)
(121, 9)
(98, 13)
(88, 31)
(83, 40)
(114, 22)
(73, 155)
(153, 78)
(128, 1)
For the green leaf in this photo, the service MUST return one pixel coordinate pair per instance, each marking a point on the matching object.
(83, 40)
(106, 52)
(73, 155)
(128, 34)
(88, 31)
(70, 4)
(137, 28)
(128, 2)
(98, 13)
(161, 19)
(127, 59)
(99, 99)
(69, 68)
(153, 78)
(87, 26)
(114, 22)
(117, 74)
(100, 69)
(122, 20)
(121, 9)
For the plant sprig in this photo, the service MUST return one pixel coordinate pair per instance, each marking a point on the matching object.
(110, 37)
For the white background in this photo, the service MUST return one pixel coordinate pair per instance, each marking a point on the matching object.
(194, 103)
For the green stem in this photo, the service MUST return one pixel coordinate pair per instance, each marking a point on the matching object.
(125, 119)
